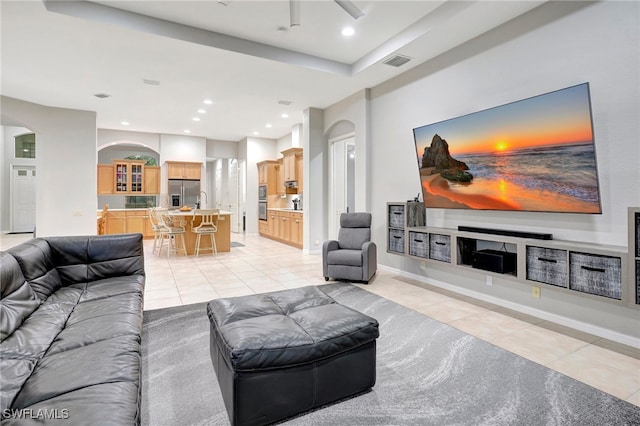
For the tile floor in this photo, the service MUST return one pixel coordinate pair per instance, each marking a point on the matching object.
(261, 265)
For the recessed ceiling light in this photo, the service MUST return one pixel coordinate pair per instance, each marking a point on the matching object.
(187, 131)
(348, 31)
(196, 118)
(202, 111)
(268, 125)
(208, 101)
(284, 115)
(256, 133)
(124, 123)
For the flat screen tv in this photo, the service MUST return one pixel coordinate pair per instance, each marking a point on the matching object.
(536, 154)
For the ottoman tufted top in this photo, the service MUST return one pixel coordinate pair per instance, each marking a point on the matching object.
(286, 328)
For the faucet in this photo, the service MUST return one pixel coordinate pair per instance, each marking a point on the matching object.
(200, 205)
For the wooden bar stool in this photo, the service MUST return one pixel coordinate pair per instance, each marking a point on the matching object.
(171, 228)
(208, 226)
(156, 226)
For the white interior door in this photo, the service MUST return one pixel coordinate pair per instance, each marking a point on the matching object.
(233, 203)
(23, 199)
(342, 181)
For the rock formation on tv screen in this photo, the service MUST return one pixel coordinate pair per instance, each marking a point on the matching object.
(437, 155)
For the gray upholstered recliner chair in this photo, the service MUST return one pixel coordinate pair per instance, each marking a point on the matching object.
(353, 256)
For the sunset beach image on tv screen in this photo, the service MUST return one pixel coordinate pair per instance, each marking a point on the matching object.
(536, 154)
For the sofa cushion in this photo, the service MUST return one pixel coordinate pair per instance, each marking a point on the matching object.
(81, 259)
(38, 268)
(101, 404)
(353, 238)
(345, 257)
(17, 299)
(112, 360)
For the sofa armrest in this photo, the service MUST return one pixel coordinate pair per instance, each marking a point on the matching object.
(327, 246)
(369, 260)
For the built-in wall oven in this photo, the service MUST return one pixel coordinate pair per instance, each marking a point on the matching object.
(262, 210)
(262, 202)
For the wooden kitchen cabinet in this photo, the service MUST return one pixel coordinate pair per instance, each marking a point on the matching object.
(268, 175)
(105, 179)
(263, 227)
(151, 180)
(280, 188)
(284, 231)
(295, 229)
(289, 163)
(284, 226)
(274, 224)
(128, 176)
(129, 221)
(116, 222)
(299, 171)
(136, 221)
(183, 170)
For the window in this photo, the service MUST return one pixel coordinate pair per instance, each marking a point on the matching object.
(26, 146)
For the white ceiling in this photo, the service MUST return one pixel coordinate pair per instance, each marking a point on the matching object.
(61, 54)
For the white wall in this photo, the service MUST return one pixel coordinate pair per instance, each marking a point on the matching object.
(66, 165)
(222, 149)
(557, 45)
(257, 149)
(182, 148)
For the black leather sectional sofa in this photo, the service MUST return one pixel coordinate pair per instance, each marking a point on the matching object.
(70, 329)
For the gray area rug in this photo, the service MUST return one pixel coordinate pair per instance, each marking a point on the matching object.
(428, 373)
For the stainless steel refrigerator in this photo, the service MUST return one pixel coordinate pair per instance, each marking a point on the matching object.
(183, 192)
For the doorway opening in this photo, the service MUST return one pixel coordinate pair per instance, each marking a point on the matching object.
(342, 180)
(227, 184)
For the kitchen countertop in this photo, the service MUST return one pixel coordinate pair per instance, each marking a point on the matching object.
(177, 212)
(123, 210)
(280, 209)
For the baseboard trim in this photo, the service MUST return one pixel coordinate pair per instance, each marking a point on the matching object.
(544, 315)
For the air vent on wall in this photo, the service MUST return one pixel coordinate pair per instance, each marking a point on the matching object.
(396, 60)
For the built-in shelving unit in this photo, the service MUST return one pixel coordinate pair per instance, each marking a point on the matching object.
(400, 216)
(570, 267)
(634, 254)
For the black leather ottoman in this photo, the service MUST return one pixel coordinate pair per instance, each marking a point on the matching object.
(282, 353)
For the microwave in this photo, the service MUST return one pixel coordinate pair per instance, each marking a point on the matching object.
(262, 193)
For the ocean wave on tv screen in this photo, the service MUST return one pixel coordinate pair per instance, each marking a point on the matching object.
(563, 169)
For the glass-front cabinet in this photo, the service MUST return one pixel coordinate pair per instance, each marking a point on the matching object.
(128, 177)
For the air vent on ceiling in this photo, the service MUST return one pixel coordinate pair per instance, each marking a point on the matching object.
(287, 103)
(151, 82)
(102, 95)
(396, 60)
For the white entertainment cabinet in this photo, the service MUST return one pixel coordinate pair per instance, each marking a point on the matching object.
(603, 272)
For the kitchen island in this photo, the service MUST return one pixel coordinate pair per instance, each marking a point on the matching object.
(223, 236)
